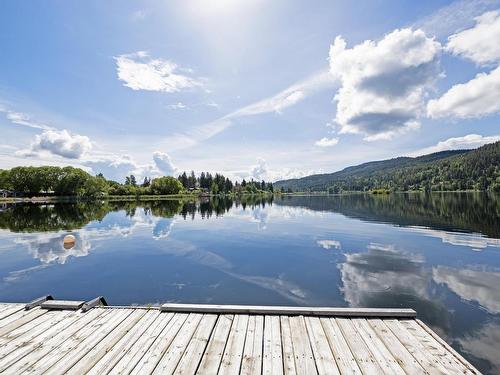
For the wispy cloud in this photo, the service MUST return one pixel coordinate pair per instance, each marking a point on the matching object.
(178, 105)
(23, 119)
(466, 142)
(454, 17)
(274, 104)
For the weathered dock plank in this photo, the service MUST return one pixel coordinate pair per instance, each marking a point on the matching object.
(217, 339)
(214, 351)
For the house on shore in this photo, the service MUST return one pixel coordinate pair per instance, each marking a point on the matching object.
(4, 193)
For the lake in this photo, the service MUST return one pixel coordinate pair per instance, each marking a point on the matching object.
(438, 254)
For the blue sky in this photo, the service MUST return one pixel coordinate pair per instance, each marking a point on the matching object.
(250, 88)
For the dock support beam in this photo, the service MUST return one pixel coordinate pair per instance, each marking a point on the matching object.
(98, 301)
(38, 302)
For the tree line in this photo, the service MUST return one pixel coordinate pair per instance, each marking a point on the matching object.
(48, 218)
(221, 184)
(70, 181)
(457, 170)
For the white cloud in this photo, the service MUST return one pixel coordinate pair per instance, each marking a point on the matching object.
(61, 143)
(178, 105)
(475, 98)
(140, 72)
(479, 43)
(23, 119)
(466, 142)
(327, 142)
(260, 170)
(384, 83)
(328, 244)
(116, 167)
(164, 163)
(479, 96)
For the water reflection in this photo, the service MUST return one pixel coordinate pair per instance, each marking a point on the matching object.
(478, 285)
(387, 277)
(482, 347)
(362, 250)
(469, 212)
(49, 248)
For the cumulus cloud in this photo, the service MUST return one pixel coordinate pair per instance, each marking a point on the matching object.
(475, 98)
(164, 163)
(327, 142)
(479, 96)
(260, 170)
(140, 72)
(59, 142)
(479, 43)
(384, 83)
(114, 167)
(466, 142)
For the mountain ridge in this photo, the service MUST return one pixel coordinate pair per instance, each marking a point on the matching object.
(473, 169)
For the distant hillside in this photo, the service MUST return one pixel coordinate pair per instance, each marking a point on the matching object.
(477, 169)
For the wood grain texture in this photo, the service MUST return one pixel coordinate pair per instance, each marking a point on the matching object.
(108, 340)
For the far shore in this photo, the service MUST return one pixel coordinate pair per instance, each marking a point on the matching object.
(62, 199)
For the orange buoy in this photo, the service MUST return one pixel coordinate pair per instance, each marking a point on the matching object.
(69, 241)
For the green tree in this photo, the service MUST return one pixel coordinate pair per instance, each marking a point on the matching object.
(166, 185)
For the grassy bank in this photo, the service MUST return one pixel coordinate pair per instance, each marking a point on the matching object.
(187, 196)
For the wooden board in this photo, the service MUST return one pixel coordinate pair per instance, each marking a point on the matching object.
(62, 305)
(107, 340)
(214, 351)
(272, 355)
(287, 310)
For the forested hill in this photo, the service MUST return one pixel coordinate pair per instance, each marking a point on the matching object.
(477, 169)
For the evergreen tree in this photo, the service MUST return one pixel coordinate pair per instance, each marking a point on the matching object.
(184, 180)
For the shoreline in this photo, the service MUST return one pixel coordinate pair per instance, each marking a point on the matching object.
(70, 199)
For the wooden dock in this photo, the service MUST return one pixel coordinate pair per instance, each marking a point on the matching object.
(210, 339)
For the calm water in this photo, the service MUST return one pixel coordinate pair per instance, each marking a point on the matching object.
(439, 254)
